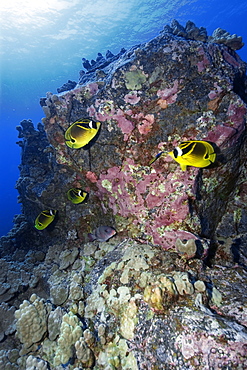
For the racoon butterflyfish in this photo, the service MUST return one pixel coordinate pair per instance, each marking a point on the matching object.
(44, 219)
(194, 153)
(76, 195)
(81, 132)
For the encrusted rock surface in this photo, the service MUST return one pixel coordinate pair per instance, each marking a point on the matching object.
(169, 291)
(142, 307)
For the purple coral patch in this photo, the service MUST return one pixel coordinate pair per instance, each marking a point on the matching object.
(125, 125)
(132, 194)
(132, 98)
(231, 59)
(229, 131)
(204, 60)
(169, 94)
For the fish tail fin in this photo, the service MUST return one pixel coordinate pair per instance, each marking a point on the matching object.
(91, 237)
(212, 157)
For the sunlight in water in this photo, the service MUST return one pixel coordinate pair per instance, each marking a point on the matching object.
(14, 13)
(31, 7)
(23, 14)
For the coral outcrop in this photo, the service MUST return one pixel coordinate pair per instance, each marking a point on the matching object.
(142, 306)
(154, 97)
(168, 291)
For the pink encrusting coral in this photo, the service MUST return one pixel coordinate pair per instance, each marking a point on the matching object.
(236, 113)
(91, 176)
(215, 92)
(93, 88)
(132, 98)
(169, 94)
(153, 201)
(233, 60)
(229, 131)
(204, 59)
(125, 124)
(214, 352)
(146, 123)
(105, 111)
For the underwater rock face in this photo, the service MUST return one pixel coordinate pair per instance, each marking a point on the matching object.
(152, 98)
(67, 86)
(168, 291)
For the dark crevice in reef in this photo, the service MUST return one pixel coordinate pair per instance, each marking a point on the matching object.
(240, 86)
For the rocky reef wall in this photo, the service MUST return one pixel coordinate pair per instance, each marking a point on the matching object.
(168, 292)
(152, 98)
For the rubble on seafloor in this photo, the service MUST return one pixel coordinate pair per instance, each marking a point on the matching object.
(169, 290)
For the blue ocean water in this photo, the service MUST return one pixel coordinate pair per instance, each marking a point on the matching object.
(43, 41)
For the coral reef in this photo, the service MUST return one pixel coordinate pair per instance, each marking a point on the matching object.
(168, 290)
(142, 306)
(223, 37)
(67, 86)
(31, 321)
(191, 32)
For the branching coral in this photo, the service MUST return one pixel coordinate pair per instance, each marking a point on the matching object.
(117, 356)
(60, 351)
(84, 354)
(34, 363)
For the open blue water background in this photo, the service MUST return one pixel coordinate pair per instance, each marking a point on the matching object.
(43, 41)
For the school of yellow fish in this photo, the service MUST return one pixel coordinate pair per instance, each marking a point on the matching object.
(195, 153)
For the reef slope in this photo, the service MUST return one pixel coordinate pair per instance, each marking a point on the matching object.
(168, 292)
